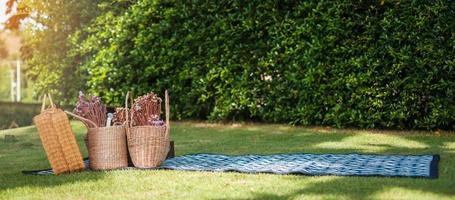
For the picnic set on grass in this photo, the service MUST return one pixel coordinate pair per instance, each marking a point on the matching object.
(135, 137)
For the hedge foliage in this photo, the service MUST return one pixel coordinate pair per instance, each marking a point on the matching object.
(20, 113)
(387, 64)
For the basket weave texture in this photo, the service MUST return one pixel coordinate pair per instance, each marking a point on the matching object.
(58, 139)
(149, 145)
(106, 146)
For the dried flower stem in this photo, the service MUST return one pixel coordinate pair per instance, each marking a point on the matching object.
(91, 109)
(146, 109)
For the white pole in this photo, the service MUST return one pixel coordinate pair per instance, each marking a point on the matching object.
(11, 74)
(18, 80)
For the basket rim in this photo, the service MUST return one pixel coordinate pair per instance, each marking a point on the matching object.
(149, 126)
(107, 127)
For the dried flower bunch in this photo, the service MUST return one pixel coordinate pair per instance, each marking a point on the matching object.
(119, 116)
(92, 109)
(146, 110)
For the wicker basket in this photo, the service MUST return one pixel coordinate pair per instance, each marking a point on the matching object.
(58, 139)
(106, 146)
(149, 145)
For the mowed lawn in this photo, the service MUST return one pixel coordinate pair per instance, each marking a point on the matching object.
(191, 137)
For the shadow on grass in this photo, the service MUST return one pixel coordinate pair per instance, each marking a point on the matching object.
(338, 187)
(27, 153)
(263, 140)
(368, 188)
(15, 180)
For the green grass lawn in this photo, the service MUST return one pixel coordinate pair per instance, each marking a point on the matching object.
(27, 154)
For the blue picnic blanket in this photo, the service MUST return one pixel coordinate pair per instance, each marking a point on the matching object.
(424, 166)
(311, 164)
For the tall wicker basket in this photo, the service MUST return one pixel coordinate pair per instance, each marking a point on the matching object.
(58, 139)
(106, 146)
(149, 145)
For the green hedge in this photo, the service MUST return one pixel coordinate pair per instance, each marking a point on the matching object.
(21, 113)
(388, 64)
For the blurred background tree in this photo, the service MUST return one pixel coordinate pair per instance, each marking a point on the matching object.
(3, 50)
(4, 72)
(11, 44)
(46, 27)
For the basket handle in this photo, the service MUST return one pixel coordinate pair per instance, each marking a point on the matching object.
(128, 122)
(43, 106)
(166, 98)
(85, 120)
